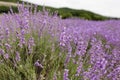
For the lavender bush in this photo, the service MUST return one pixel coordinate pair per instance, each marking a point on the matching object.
(35, 45)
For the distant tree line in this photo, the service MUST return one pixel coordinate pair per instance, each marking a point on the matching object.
(62, 12)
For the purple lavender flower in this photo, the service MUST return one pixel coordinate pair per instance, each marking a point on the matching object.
(31, 44)
(7, 31)
(37, 64)
(67, 60)
(8, 46)
(23, 32)
(65, 77)
(79, 69)
(6, 56)
(2, 52)
(17, 56)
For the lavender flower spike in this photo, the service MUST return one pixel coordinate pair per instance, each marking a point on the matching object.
(65, 77)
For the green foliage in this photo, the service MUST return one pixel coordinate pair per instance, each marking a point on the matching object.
(10, 0)
(6, 9)
(81, 14)
(72, 13)
(65, 15)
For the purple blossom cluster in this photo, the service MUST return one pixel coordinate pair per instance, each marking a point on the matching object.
(92, 45)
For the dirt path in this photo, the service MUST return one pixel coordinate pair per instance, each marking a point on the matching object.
(2, 3)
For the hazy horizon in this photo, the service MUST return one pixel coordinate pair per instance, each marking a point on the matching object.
(103, 7)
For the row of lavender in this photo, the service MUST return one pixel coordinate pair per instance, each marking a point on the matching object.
(38, 46)
(94, 47)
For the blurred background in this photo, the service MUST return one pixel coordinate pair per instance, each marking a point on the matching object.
(84, 9)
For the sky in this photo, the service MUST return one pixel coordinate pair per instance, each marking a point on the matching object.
(104, 7)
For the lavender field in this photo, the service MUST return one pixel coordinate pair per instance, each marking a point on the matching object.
(35, 45)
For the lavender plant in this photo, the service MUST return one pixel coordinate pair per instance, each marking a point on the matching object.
(35, 45)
